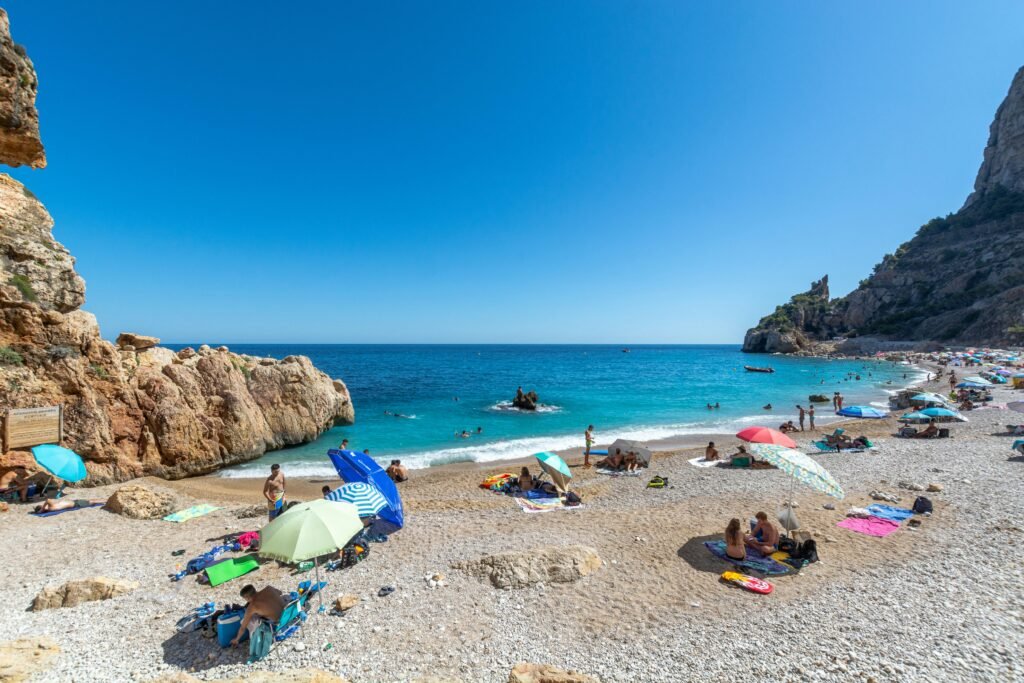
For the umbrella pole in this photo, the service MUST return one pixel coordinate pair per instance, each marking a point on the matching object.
(319, 592)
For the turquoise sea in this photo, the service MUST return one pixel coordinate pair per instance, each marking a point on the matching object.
(650, 393)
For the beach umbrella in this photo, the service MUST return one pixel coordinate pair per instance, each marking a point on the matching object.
(367, 499)
(556, 468)
(1018, 445)
(977, 380)
(944, 412)
(765, 435)
(1004, 372)
(640, 449)
(800, 466)
(308, 531)
(929, 397)
(353, 466)
(1016, 406)
(866, 412)
(972, 385)
(910, 417)
(61, 462)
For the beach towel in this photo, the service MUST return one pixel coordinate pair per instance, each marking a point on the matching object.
(872, 526)
(617, 473)
(231, 568)
(755, 559)
(543, 504)
(191, 513)
(247, 538)
(51, 513)
(893, 514)
(701, 462)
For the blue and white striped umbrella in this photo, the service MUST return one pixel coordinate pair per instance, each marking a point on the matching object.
(367, 499)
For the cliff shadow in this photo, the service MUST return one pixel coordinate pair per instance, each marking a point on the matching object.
(699, 557)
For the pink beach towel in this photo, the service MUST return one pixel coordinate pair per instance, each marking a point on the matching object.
(872, 526)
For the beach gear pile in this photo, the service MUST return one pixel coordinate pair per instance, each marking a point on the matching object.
(881, 520)
(212, 557)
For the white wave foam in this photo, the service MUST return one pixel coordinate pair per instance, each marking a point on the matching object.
(507, 407)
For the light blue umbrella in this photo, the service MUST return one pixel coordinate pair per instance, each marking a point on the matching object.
(866, 412)
(556, 467)
(61, 462)
(973, 385)
(910, 417)
(928, 397)
(943, 412)
(977, 380)
(367, 499)
(1018, 445)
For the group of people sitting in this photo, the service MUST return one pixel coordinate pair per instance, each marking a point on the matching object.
(929, 432)
(788, 427)
(840, 440)
(741, 458)
(763, 537)
(619, 461)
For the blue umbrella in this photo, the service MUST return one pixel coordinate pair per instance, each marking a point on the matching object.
(367, 499)
(60, 462)
(353, 466)
(943, 412)
(1018, 445)
(972, 385)
(867, 412)
(909, 417)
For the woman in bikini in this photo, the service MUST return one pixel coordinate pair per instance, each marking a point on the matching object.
(734, 546)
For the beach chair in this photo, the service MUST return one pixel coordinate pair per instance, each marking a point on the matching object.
(266, 636)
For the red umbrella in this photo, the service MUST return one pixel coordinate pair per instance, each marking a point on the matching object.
(766, 435)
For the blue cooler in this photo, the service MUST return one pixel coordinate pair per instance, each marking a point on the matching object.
(227, 627)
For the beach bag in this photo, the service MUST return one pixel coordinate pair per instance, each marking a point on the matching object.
(922, 506)
(572, 498)
(657, 483)
(352, 555)
(808, 551)
(787, 545)
(261, 640)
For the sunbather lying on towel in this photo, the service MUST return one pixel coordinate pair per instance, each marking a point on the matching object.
(734, 545)
(764, 536)
(266, 604)
(54, 504)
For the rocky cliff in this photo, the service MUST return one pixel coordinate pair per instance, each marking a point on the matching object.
(133, 408)
(960, 280)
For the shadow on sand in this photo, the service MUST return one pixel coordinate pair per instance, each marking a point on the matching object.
(191, 652)
(700, 558)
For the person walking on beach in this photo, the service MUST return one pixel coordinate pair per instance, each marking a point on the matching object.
(802, 415)
(588, 437)
(273, 491)
(810, 415)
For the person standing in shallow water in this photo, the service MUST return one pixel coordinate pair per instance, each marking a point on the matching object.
(810, 415)
(802, 415)
(588, 437)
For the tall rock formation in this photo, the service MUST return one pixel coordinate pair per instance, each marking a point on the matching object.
(960, 280)
(133, 409)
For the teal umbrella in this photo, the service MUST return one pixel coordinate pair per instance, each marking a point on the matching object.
(910, 417)
(556, 468)
(799, 466)
(61, 462)
(944, 412)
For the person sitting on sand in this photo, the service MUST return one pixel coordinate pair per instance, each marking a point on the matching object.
(787, 427)
(267, 604)
(630, 461)
(16, 478)
(54, 504)
(928, 432)
(734, 542)
(764, 536)
(526, 480)
(711, 453)
(325, 490)
(613, 461)
(397, 471)
(967, 405)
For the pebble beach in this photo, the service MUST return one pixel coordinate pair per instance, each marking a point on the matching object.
(940, 602)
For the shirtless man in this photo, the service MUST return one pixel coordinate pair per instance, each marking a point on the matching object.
(267, 603)
(273, 491)
(711, 453)
(54, 504)
(588, 437)
(16, 478)
(397, 471)
(769, 540)
(803, 414)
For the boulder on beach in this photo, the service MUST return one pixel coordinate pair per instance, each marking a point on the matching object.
(23, 658)
(525, 672)
(525, 401)
(139, 502)
(138, 342)
(74, 593)
(521, 569)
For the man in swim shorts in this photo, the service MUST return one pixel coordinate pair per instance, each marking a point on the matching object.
(588, 437)
(267, 604)
(273, 491)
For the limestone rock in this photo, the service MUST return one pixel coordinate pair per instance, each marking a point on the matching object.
(346, 602)
(525, 401)
(520, 569)
(137, 341)
(1003, 162)
(25, 657)
(525, 672)
(19, 120)
(936, 488)
(74, 593)
(139, 502)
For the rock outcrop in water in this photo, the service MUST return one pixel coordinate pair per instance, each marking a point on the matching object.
(960, 280)
(132, 409)
(525, 401)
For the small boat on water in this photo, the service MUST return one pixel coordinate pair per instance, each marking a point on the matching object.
(751, 368)
(625, 350)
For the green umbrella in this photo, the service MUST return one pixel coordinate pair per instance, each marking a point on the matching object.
(799, 466)
(309, 530)
(556, 468)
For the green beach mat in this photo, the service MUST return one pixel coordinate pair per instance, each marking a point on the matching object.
(232, 568)
(191, 513)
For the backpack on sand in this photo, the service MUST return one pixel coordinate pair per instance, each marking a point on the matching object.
(922, 506)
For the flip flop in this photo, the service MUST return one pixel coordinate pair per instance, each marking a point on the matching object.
(385, 591)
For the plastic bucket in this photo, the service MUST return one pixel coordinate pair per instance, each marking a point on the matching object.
(227, 627)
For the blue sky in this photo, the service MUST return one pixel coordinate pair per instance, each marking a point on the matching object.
(498, 172)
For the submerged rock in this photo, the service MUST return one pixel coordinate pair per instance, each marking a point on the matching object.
(525, 401)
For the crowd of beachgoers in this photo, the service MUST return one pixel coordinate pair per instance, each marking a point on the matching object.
(828, 522)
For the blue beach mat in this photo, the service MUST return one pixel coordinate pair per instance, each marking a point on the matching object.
(755, 560)
(601, 452)
(51, 513)
(893, 514)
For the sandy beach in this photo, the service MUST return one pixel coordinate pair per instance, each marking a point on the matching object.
(936, 603)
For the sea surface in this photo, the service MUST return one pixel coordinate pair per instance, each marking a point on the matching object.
(651, 393)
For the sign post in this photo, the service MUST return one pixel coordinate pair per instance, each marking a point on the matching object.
(33, 426)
